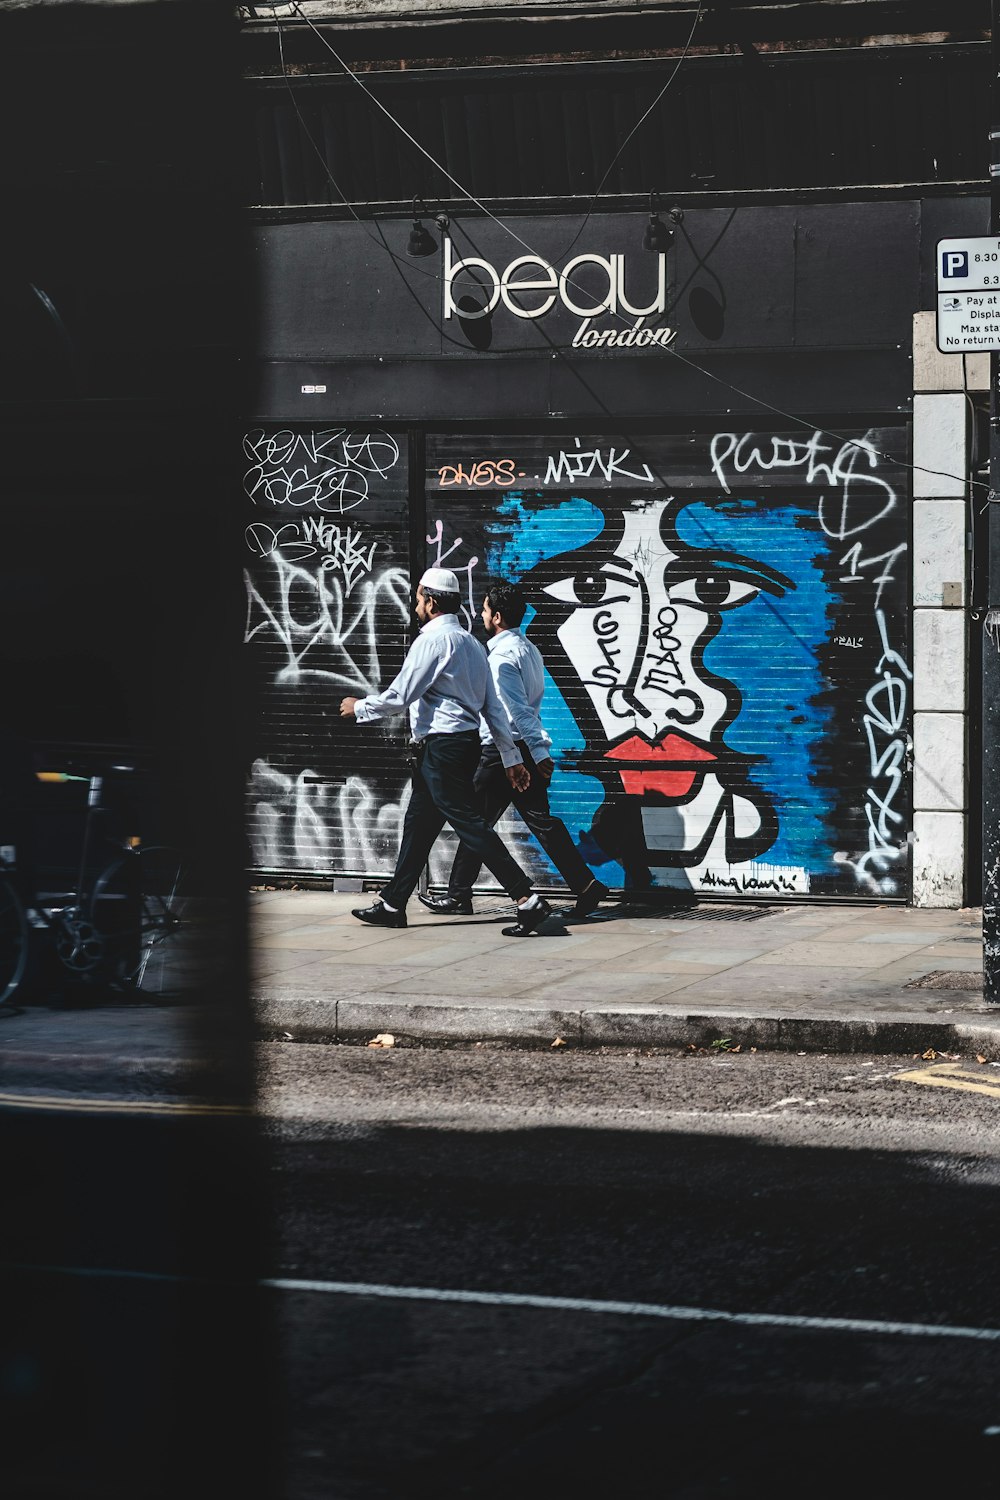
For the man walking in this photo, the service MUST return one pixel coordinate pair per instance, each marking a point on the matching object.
(517, 673)
(445, 683)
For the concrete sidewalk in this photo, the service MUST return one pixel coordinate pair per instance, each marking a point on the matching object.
(809, 977)
(801, 978)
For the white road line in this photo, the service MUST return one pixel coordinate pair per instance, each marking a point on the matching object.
(554, 1304)
(634, 1309)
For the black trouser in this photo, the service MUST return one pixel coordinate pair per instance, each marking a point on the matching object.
(496, 794)
(443, 792)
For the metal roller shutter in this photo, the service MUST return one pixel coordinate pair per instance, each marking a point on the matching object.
(328, 615)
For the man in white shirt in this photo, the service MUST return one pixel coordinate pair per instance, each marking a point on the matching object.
(518, 675)
(446, 685)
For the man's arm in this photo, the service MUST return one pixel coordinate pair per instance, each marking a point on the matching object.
(412, 681)
(524, 718)
(499, 727)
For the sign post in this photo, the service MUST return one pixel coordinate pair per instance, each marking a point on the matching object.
(991, 638)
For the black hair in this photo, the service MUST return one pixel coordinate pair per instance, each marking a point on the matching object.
(506, 599)
(447, 604)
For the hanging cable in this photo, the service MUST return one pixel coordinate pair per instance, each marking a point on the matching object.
(635, 128)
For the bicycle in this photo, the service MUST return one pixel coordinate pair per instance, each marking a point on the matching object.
(118, 930)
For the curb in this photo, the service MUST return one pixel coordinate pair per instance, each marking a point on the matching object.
(333, 1021)
(352, 1021)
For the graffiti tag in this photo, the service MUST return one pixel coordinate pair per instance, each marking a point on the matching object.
(329, 469)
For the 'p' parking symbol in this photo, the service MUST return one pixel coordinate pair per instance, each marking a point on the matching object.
(954, 263)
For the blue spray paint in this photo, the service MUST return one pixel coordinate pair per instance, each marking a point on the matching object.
(769, 651)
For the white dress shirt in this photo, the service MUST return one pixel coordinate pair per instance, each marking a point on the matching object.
(445, 683)
(519, 678)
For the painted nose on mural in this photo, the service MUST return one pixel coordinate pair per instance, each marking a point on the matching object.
(664, 683)
(670, 764)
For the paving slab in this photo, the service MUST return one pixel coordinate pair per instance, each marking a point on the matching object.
(824, 956)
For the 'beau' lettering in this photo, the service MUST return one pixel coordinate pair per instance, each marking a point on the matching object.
(529, 287)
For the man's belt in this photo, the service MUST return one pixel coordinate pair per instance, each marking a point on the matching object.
(413, 743)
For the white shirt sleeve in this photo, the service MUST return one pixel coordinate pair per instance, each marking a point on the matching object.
(499, 727)
(420, 667)
(526, 724)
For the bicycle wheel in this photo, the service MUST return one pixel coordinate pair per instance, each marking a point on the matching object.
(138, 908)
(13, 940)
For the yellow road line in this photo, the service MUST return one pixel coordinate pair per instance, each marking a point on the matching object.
(951, 1076)
(116, 1106)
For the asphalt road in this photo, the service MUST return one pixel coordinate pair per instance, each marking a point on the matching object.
(805, 1187)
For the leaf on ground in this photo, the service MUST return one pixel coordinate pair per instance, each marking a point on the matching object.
(384, 1039)
(735, 1049)
(929, 1055)
(980, 1057)
(558, 1042)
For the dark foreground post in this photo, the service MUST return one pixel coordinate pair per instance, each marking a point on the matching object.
(991, 641)
(135, 1358)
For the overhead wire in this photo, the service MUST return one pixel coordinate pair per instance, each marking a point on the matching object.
(471, 197)
(635, 128)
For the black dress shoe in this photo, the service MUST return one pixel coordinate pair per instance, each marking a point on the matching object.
(534, 919)
(447, 906)
(590, 899)
(378, 916)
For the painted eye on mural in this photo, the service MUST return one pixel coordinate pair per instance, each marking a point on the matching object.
(714, 591)
(587, 588)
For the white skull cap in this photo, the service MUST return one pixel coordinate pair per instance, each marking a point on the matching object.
(441, 579)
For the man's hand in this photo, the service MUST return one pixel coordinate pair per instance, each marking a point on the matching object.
(347, 707)
(519, 776)
(544, 769)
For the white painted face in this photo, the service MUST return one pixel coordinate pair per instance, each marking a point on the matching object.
(641, 613)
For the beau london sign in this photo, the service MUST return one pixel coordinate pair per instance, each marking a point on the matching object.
(529, 287)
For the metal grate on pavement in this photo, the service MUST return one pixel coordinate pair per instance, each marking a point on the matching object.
(701, 913)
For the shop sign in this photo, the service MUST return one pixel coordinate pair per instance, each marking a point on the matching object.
(529, 287)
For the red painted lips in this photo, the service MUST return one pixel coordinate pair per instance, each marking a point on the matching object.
(677, 750)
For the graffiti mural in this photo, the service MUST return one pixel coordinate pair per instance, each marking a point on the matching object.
(326, 550)
(723, 618)
(724, 624)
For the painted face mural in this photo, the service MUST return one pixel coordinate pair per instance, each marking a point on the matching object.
(627, 618)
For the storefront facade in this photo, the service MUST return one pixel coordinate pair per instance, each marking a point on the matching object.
(697, 460)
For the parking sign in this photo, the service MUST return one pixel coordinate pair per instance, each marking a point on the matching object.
(968, 265)
(954, 263)
(968, 281)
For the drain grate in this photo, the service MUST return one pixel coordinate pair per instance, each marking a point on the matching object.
(947, 979)
(700, 913)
